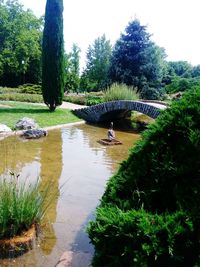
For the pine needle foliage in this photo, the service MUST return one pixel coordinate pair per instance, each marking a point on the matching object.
(149, 213)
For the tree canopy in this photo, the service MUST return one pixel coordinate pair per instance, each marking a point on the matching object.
(72, 69)
(95, 76)
(20, 44)
(136, 60)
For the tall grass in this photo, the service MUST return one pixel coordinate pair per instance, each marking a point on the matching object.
(120, 92)
(21, 205)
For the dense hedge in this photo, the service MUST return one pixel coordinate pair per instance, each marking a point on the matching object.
(150, 212)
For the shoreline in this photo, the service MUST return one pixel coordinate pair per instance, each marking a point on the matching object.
(48, 128)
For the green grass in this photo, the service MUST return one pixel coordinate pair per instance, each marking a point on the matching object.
(42, 116)
(21, 205)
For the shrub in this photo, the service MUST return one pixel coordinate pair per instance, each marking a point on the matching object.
(160, 181)
(8, 90)
(76, 99)
(93, 100)
(137, 238)
(30, 88)
(120, 92)
(151, 93)
(21, 205)
(21, 97)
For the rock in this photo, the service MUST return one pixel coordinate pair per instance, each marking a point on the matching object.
(4, 128)
(34, 133)
(25, 124)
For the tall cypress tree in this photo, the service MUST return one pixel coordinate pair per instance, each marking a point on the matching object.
(53, 55)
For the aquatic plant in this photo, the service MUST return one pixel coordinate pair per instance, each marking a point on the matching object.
(22, 204)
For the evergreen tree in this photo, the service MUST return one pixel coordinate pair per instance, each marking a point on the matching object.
(53, 55)
(136, 60)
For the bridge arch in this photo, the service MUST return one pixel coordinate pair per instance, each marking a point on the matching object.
(117, 109)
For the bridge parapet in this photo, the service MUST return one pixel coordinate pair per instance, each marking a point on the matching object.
(109, 110)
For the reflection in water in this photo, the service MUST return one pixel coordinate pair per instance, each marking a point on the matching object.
(73, 158)
(51, 168)
(16, 153)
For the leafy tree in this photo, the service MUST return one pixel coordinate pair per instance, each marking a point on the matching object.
(136, 60)
(95, 76)
(196, 71)
(53, 55)
(20, 44)
(72, 68)
(180, 68)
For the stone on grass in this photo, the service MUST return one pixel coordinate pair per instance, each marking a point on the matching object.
(26, 124)
(4, 128)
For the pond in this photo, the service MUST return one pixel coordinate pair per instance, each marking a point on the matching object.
(78, 167)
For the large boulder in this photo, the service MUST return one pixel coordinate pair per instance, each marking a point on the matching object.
(26, 124)
(34, 133)
(4, 128)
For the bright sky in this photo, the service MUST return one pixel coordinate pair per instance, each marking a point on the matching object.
(174, 24)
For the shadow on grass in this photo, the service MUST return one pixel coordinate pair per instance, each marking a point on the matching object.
(23, 110)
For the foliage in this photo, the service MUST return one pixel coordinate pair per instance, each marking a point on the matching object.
(33, 98)
(160, 181)
(180, 68)
(95, 76)
(72, 67)
(196, 71)
(20, 44)
(151, 93)
(120, 92)
(76, 99)
(94, 100)
(13, 111)
(5, 90)
(136, 60)
(22, 205)
(53, 55)
(179, 84)
(137, 238)
(88, 99)
(29, 88)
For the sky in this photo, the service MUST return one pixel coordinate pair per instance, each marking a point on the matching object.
(174, 24)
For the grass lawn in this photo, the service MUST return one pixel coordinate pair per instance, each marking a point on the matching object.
(17, 110)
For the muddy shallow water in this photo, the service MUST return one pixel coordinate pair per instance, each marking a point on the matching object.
(78, 167)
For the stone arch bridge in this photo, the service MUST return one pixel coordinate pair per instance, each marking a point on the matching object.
(112, 110)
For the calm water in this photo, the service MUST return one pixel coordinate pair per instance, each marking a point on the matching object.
(72, 158)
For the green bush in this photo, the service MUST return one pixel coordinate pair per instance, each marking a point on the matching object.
(8, 90)
(76, 99)
(120, 92)
(151, 93)
(180, 84)
(93, 100)
(137, 238)
(21, 97)
(21, 205)
(160, 179)
(30, 88)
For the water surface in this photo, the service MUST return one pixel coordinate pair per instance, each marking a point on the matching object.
(72, 158)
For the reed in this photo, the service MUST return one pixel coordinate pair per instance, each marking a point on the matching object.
(120, 92)
(22, 204)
